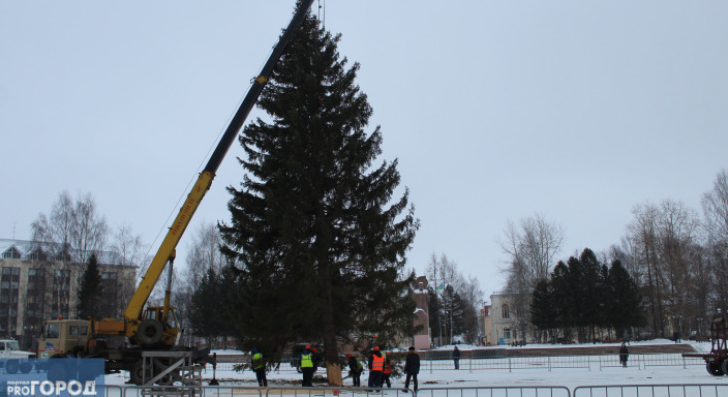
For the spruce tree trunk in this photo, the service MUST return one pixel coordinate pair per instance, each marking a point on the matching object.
(333, 373)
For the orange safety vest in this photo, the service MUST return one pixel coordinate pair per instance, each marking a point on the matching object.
(377, 363)
(388, 368)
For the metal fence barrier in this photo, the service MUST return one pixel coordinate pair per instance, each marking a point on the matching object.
(197, 391)
(665, 390)
(642, 361)
(336, 392)
(495, 391)
(493, 361)
(676, 390)
(656, 360)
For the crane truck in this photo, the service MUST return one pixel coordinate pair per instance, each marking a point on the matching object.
(124, 342)
(716, 362)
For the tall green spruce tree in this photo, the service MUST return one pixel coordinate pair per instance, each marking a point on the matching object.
(544, 313)
(624, 306)
(89, 293)
(316, 231)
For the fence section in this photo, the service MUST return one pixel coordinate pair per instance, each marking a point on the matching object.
(496, 360)
(335, 392)
(676, 390)
(665, 390)
(503, 391)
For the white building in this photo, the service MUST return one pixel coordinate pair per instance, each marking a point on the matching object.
(501, 321)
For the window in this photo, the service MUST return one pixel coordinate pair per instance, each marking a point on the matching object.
(506, 312)
(73, 330)
(63, 257)
(109, 276)
(507, 333)
(51, 331)
(11, 253)
(37, 254)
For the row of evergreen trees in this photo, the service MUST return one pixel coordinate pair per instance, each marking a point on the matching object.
(584, 295)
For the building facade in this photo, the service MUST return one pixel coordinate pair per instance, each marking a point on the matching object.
(36, 286)
(505, 325)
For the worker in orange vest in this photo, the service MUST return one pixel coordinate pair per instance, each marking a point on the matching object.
(387, 371)
(376, 368)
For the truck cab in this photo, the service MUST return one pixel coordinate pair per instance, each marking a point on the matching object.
(63, 338)
(13, 359)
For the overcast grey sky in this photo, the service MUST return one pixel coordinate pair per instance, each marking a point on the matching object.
(496, 110)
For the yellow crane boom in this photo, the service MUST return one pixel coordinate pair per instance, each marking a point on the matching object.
(152, 328)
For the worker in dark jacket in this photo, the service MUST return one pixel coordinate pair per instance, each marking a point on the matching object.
(456, 357)
(411, 367)
(623, 355)
(355, 370)
(387, 373)
(307, 366)
(258, 365)
(376, 368)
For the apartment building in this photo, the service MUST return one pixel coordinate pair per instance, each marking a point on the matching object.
(36, 285)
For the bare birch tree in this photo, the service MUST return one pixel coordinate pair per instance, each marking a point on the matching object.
(203, 254)
(131, 254)
(73, 226)
(667, 250)
(531, 246)
(72, 232)
(458, 296)
(715, 212)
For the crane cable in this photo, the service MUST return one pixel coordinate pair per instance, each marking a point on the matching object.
(320, 8)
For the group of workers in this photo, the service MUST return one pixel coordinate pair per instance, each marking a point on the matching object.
(380, 368)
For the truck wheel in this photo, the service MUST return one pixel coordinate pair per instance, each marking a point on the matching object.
(724, 366)
(26, 367)
(57, 371)
(149, 332)
(137, 375)
(714, 368)
(12, 366)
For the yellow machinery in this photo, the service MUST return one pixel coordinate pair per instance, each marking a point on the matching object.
(157, 326)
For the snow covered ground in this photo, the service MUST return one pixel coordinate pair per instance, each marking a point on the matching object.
(674, 372)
